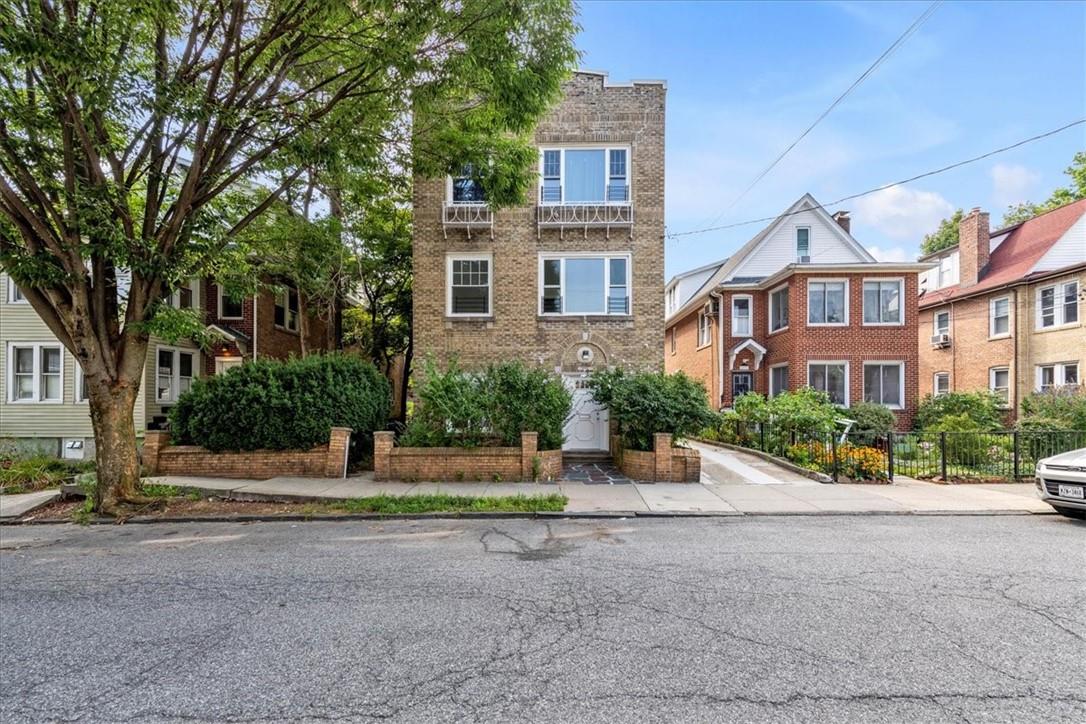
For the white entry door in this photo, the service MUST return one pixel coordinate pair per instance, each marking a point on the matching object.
(588, 422)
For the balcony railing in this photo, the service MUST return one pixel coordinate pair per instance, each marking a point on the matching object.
(466, 215)
(557, 212)
(615, 305)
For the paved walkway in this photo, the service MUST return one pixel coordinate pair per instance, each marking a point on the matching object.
(13, 506)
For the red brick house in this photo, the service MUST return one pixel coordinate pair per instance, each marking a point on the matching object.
(800, 304)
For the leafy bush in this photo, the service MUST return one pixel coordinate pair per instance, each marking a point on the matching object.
(751, 407)
(461, 409)
(1065, 408)
(872, 422)
(805, 409)
(983, 408)
(26, 473)
(966, 443)
(276, 405)
(645, 403)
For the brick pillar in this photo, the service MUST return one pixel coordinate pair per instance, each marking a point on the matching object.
(529, 448)
(382, 454)
(661, 446)
(339, 441)
(153, 442)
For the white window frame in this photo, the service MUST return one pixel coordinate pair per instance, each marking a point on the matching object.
(900, 364)
(705, 330)
(831, 362)
(284, 293)
(13, 290)
(772, 308)
(900, 301)
(750, 315)
(1059, 374)
(772, 391)
(449, 187)
(945, 272)
(1059, 294)
(606, 174)
(992, 334)
(175, 383)
(37, 372)
(220, 293)
(935, 383)
(828, 281)
(992, 385)
(795, 236)
(562, 257)
(77, 391)
(486, 256)
(935, 323)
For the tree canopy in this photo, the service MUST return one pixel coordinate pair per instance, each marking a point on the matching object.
(1060, 197)
(944, 237)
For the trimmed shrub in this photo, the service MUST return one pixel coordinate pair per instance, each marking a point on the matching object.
(276, 405)
(805, 409)
(462, 409)
(983, 408)
(645, 403)
(873, 421)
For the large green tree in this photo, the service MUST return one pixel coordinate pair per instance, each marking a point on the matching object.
(1060, 197)
(125, 128)
(944, 237)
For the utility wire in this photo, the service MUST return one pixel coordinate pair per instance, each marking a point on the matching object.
(870, 69)
(917, 177)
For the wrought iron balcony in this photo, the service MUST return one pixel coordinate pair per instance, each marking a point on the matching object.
(466, 215)
(618, 306)
(556, 212)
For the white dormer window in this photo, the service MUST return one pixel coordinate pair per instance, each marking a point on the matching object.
(803, 244)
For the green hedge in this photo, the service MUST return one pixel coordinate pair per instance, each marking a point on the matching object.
(645, 403)
(276, 405)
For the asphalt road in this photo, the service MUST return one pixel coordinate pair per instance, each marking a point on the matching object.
(759, 619)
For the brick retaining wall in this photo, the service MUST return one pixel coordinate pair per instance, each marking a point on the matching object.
(323, 461)
(481, 464)
(665, 464)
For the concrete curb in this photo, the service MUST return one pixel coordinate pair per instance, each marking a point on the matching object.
(786, 464)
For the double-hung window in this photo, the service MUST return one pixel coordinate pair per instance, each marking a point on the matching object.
(35, 373)
(1057, 305)
(999, 382)
(286, 309)
(588, 284)
(999, 317)
(884, 383)
(174, 373)
(827, 302)
(803, 244)
(882, 301)
(778, 380)
(1056, 375)
(585, 176)
(15, 294)
(778, 309)
(831, 378)
(741, 316)
(941, 323)
(180, 298)
(466, 187)
(470, 285)
(941, 383)
(705, 329)
(229, 307)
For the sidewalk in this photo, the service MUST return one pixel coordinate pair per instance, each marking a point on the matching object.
(795, 497)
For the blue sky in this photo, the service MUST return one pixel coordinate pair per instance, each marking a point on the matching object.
(744, 79)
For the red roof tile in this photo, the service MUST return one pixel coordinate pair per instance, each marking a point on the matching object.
(1017, 254)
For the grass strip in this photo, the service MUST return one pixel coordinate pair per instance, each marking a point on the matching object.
(440, 503)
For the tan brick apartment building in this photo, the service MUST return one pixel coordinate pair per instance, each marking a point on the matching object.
(802, 303)
(1002, 310)
(571, 281)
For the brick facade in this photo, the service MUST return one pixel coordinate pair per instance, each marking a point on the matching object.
(591, 112)
(323, 461)
(482, 464)
(801, 343)
(664, 464)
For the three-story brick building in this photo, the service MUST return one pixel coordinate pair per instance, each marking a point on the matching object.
(572, 280)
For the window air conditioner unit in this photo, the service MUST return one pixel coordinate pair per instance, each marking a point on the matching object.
(940, 340)
(805, 260)
(711, 308)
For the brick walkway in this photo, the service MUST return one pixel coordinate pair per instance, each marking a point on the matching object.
(594, 474)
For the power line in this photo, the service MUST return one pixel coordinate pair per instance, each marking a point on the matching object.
(870, 69)
(917, 177)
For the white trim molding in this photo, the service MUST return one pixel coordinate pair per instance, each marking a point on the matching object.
(608, 282)
(836, 363)
(35, 372)
(992, 334)
(452, 257)
(824, 281)
(751, 344)
(900, 281)
(750, 315)
(900, 364)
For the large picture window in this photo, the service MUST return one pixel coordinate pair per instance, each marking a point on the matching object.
(584, 175)
(470, 281)
(585, 285)
(882, 301)
(831, 378)
(884, 383)
(827, 302)
(35, 373)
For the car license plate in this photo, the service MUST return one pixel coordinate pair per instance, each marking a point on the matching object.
(1071, 491)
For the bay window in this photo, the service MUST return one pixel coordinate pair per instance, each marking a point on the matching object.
(470, 285)
(882, 301)
(884, 383)
(584, 176)
(35, 373)
(173, 374)
(588, 284)
(831, 378)
(827, 302)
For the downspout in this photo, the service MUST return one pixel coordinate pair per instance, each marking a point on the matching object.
(719, 347)
(256, 327)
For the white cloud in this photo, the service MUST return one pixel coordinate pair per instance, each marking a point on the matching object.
(1011, 183)
(893, 253)
(903, 213)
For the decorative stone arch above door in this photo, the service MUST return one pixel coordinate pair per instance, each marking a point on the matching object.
(584, 353)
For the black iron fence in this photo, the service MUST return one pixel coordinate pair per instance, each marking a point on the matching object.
(995, 456)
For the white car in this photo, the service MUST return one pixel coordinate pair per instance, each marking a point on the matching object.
(1061, 482)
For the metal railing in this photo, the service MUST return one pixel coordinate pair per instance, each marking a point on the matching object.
(463, 215)
(615, 305)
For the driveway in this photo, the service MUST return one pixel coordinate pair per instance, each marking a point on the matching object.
(720, 466)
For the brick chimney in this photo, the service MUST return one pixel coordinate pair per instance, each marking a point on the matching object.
(843, 220)
(974, 246)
